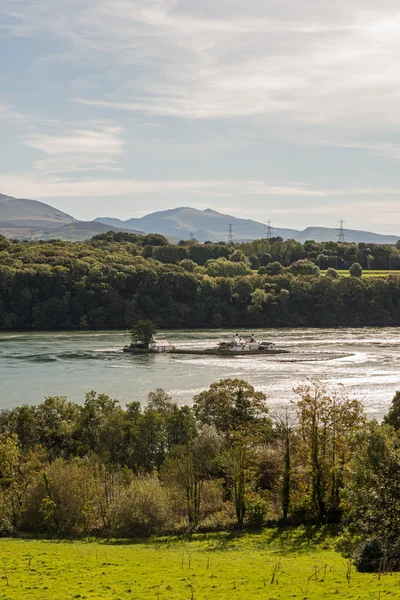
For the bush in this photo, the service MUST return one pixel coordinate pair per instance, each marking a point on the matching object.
(143, 509)
(273, 268)
(64, 500)
(304, 267)
(369, 556)
(188, 265)
(256, 510)
(356, 270)
(332, 273)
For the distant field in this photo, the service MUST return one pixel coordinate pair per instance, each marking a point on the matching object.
(345, 273)
(366, 273)
(271, 566)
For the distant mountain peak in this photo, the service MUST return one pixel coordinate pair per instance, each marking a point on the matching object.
(212, 225)
(25, 218)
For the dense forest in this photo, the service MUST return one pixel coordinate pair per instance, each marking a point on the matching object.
(116, 279)
(101, 469)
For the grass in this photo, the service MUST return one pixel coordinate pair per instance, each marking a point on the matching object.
(366, 273)
(272, 565)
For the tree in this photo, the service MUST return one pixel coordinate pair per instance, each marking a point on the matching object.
(188, 265)
(239, 463)
(274, 268)
(190, 465)
(356, 270)
(237, 256)
(393, 416)
(304, 267)
(332, 273)
(265, 259)
(327, 422)
(143, 331)
(285, 431)
(231, 404)
(371, 497)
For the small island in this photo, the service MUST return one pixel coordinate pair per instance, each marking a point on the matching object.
(144, 342)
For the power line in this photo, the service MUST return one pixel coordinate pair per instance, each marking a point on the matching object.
(230, 233)
(341, 232)
(269, 230)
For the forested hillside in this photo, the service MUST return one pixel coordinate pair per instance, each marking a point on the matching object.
(117, 278)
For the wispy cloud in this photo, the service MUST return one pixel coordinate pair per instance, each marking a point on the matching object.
(78, 150)
(321, 64)
(242, 89)
(51, 187)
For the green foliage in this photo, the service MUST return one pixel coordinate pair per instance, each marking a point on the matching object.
(230, 404)
(332, 273)
(304, 267)
(144, 508)
(100, 468)
(356, 270)
(143, 331)
(393, 416)
(221, 267)
(257, 510)
(116, 279)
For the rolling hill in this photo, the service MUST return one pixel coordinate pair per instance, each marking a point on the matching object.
(20, 212)
(211, 225)
(30, 219)
(21, 218)
(78, 231)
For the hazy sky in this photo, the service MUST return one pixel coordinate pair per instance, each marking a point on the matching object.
(286, 110)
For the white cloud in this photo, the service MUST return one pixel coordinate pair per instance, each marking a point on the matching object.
(316, 62)
(52, 187)
(306, 73)
(94, 148)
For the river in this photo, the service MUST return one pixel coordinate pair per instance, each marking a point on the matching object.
(38, 364)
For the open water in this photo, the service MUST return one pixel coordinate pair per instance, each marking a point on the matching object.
(35, 365)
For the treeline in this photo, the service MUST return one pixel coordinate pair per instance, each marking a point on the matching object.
(101, 469)
(114, 280)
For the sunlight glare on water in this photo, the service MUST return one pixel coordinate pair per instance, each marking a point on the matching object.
(36, 365)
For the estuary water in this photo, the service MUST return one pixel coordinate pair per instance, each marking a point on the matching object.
(36, 365)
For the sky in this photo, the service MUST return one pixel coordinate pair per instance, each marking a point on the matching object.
(263, 109)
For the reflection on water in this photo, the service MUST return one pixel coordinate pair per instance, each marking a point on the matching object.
(35, 365)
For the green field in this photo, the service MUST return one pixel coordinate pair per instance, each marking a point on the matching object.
(271, 565)
(345, 273)
(372, 273)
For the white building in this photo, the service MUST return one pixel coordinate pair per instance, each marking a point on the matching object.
(160, 346)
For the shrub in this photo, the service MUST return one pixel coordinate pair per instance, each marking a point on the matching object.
(144, 508)
(304, 267)
(356, 270)
(332, 273)
(256, 510)
(65, 499)
(369, 556)
(273, 268)
(188, 265)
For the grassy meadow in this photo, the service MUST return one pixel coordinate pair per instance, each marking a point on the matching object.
(371, 273)
(271, 565)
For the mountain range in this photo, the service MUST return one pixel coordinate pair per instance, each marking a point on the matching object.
(29, 219)
(203, 225)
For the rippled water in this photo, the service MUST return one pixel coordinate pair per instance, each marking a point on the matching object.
(35, 365)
